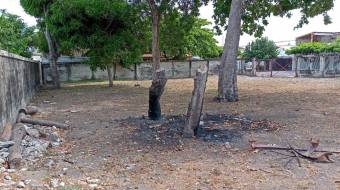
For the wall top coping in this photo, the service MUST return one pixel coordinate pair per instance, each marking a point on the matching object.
(15, 56)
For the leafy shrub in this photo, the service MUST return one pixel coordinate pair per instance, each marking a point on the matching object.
(315, 48)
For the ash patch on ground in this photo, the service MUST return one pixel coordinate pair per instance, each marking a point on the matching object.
(216, 129)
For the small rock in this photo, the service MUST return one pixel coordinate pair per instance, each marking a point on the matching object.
(2, 169)
(10, 170)
(130, 166)
(54, 137)
(7, 177)
(54, 182)
(32, 132)
(27, 181)
(227, 145)
(62, 184)
(2, 161)
(50, 163)
(6, 144)
(21, 184)
(4, 150)
(24, 169)
(4, 155)
(92, 181)
(93, 186)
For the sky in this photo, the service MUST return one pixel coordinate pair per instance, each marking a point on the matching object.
(279, 29)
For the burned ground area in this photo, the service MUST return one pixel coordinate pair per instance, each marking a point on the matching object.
(112, 145)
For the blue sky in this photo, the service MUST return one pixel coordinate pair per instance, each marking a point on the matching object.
(279, 29)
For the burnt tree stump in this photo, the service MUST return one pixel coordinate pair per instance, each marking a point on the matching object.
(155, 92)
(196, 105)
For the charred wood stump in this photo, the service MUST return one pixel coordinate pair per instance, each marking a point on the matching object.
(155, 92)
(196, 105)
(15, 156)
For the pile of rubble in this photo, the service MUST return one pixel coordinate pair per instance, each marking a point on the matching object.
(25, 143)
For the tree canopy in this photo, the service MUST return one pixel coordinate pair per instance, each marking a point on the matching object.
(107, 31)
(180, 39)
(15, 36)
(261, 48)
(255, 14)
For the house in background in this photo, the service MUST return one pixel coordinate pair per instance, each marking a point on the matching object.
(325, 37)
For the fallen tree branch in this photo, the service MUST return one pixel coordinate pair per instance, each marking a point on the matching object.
(322, 158)
(44, 123)
(22, 118)
(275, 147)
(15, 156)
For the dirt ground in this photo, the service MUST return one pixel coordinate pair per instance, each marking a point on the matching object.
(107, 147)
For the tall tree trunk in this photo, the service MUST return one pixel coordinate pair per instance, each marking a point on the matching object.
(53, 57)
(155, 41)
(53, 53)
(109, 74)
(93, 75)
(158, 77)
(227, 84)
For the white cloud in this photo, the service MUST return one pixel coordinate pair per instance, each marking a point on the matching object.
(13, 6)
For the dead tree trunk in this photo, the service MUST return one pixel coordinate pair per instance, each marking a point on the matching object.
(227, 85)
(109, 74)
(15, 156)
(196, 105)
(155, 92)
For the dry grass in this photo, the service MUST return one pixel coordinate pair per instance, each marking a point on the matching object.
(103, 148)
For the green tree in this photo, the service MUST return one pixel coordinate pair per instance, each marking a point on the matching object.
(15, 36)
(156, 10)
(41, 9)
(178, 40)
(110, 32)
(315, 48)
(254, 16)
(261, 48)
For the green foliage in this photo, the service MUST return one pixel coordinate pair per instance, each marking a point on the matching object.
(200, 41)
(15, 36)
(315, 48)
(107, 31)
(256, 13)
(182, 36)
(261, 48)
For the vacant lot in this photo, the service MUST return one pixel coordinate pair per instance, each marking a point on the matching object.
(131, 153)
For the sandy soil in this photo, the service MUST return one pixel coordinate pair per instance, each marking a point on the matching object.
(102, 145)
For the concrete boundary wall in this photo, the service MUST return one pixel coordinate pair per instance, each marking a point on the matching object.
(143, 71)
(19, 79)
(317, 65)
